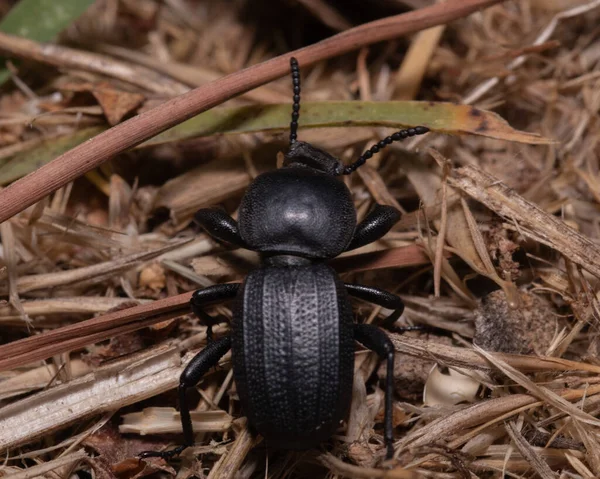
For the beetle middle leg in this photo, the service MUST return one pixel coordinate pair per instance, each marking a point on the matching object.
(376, 340)
(212, 294)
(192, 374)
(382, 298)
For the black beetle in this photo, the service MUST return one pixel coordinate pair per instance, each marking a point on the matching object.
(292, 335)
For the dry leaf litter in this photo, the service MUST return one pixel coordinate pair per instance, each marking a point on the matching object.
(497, 256)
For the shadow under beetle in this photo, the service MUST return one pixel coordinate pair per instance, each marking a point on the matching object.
(292, 334)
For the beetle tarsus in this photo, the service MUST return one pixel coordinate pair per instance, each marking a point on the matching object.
(404, 329)
(166, 455)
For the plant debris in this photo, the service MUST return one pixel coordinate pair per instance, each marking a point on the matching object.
(496, 255)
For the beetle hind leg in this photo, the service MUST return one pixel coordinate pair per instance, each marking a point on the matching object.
(376, 340)
(192, 374)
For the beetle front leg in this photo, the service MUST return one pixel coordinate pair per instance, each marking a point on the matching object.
(192, 374)
(377, 223)
(212, 294)
(376, 340)
(220, 226)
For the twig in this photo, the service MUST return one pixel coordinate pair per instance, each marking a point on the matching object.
(89, 155)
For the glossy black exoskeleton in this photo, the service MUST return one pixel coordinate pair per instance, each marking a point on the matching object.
(292, 336)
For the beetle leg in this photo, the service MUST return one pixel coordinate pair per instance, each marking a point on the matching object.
(376, 340)
(377, 223)
(380, 298)
(211, 294)
(219, 225)
(197, 367)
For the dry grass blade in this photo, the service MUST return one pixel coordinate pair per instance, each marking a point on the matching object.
(588, 437)
(538, 464)
(410, 75)
(540, 392)
(230, 462)
(9, 256)
(165, 420)
(580, 467)
(217, 180)
(63, 464)
(94, 152)
(337, 466)
(532, 221)
(38, 378)
(470, 359)
(108, 388)
(76, 305)
(96, 272)
(64, 57)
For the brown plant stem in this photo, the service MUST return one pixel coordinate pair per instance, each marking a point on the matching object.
(87, 156)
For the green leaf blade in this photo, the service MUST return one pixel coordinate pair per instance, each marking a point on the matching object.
(40, 20)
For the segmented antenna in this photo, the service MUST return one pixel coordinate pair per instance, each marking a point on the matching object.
(296, 104)
(398, 136)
